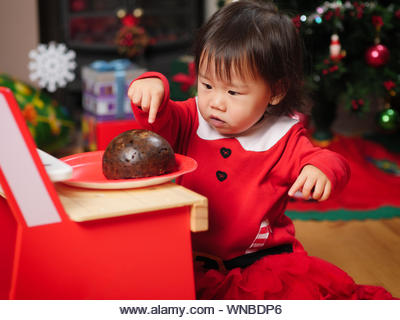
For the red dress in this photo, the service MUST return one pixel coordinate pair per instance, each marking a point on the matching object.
(246, 180)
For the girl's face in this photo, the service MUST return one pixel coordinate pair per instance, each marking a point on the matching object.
(231, 107)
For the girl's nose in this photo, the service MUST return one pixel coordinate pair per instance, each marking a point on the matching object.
(218, 103)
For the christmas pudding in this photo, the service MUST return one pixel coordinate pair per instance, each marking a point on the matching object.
(138, 154)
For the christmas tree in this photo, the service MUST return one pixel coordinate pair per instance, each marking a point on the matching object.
(352, 60)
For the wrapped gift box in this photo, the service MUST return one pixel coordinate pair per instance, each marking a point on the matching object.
(105, 108)
(105, 102)
(105, 85)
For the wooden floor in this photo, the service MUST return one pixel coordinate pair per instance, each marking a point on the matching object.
(369, 250)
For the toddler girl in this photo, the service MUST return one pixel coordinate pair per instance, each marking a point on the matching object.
(252, 155)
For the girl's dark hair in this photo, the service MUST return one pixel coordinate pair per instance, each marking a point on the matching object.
(254, 37)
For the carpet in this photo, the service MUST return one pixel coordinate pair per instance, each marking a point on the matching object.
(373, 191)
(345, 215)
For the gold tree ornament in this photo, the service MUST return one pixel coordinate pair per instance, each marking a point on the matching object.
(121, 13)
(138, 12)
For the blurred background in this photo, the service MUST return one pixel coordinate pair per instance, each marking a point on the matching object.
(354, 87)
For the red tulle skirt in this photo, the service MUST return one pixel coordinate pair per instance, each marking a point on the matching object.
(283, 276)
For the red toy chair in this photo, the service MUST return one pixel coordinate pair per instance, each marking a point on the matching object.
(61, 242)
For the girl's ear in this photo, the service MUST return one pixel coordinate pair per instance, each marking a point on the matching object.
(278, 93)
(276, 99)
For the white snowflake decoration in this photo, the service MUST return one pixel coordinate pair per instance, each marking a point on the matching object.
(52, 65)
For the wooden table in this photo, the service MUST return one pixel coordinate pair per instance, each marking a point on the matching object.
(89, 204)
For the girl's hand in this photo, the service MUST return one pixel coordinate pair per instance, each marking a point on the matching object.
(312, 182)
(148, 94)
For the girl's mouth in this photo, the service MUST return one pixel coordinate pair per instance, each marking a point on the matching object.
(216, 122)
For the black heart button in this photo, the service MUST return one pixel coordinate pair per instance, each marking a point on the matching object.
(225, 152)
(221, 176)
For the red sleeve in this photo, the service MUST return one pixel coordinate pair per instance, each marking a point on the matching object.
(174, 119)
(142, 117)
(331, 163)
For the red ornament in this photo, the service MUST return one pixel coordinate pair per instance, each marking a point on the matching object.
(130, 21)
(78, 5)
(389, 85)
(377, 55)
(297, 22)
(377, 21)
(328, 15)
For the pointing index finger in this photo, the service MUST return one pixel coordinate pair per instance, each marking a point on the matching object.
(154, 105)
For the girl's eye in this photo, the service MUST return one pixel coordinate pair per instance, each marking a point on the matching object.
(233, 93)
(207, 86)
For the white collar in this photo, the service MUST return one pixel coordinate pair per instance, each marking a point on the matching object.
(260, 137)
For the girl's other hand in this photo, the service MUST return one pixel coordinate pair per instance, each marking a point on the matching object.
(312, 182)
(147, 94)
